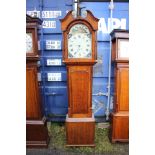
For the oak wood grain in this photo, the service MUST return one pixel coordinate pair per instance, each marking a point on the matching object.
(79, 82)
(120, 116)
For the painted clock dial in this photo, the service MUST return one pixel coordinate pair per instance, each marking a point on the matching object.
(29, 43)
(123, 48)
(79, 42)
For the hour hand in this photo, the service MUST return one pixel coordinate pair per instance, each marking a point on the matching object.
(70, 55)
(75, 53)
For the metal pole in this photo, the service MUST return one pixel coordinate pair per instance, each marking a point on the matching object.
(111, 7)
(42, 58)
(75, 5)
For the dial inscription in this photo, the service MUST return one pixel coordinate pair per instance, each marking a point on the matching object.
(79, 42)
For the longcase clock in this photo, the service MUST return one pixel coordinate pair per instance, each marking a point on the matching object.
(79, 55)
(120, 58)
(36, 130)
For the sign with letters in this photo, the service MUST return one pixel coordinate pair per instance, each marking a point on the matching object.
(49, 24)
(51, 14)
(53, 62)
(117, 23)
(45, 14)
(106, 25)
(53, 44)
(54, 76)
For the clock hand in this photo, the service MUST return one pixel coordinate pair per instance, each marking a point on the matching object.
(75, 53)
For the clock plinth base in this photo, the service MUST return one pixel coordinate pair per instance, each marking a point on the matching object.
(36, 134)
(80, 131)
(120, 127)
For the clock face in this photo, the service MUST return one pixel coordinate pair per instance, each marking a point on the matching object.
(29, 43)
(123, 48)
(79, 42)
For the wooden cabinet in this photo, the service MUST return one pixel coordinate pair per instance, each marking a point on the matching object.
(79, 84)
(36, 130)
(32, 93)
(122, 87)
(120, 115)
(120, 127)
(79, 55)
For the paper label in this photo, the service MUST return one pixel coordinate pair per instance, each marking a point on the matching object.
(53, 62)
(54, 76)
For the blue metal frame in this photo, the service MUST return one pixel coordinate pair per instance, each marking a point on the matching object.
(54, 93)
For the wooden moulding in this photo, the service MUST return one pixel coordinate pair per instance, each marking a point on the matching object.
(36, 134)
(80, 131)
(33, 21)
(119, 33)
(69, 21)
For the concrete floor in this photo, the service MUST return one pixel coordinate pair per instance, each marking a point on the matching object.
(59, 152)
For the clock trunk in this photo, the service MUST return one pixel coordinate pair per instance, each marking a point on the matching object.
(36, 130)
(79, 55)
(120, 115)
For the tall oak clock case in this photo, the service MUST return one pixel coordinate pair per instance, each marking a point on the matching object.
(120, 58)
(36, 131)
(79, 55)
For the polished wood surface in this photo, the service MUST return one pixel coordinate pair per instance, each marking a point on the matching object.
(120, 116)
(36, 133)
(80, 86)
(36, 129)
(32, 94)
(80, 133)
(122, 87)
(120, 127)
(79, 73)
(69, 21)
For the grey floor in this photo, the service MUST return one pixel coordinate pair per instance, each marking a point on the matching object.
(59, 152)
